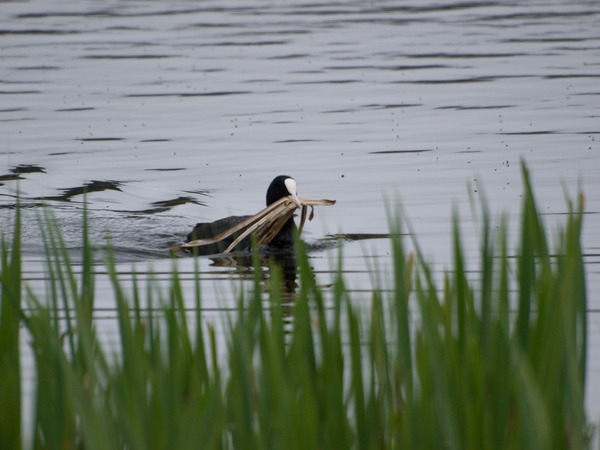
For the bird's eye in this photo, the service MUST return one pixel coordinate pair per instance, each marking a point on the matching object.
(290, 184)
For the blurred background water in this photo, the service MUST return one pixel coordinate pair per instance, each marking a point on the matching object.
(174, 112)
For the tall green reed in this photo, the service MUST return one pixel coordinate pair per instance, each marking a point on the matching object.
(492, 362)
(10, 319)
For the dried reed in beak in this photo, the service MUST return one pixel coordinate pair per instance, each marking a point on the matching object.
(264, 224)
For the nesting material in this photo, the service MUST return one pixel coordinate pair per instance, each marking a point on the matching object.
(265, 224)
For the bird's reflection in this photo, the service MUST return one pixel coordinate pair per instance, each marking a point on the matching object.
(282, 261)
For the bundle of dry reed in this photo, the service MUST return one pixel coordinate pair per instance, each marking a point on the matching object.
(265, 224)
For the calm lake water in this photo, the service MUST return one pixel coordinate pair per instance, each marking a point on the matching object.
(174, 112)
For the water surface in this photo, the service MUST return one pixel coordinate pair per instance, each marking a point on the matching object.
(170, 113)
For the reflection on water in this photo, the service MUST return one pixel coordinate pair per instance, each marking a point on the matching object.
(283, 262)
(172, 113)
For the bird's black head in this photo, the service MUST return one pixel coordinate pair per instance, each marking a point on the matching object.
(282, 186)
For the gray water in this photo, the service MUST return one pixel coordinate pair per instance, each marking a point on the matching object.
(174, 112)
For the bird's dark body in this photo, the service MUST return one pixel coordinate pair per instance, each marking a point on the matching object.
(283, 241)
(207, 230)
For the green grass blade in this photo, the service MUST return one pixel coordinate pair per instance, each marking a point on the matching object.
(10, 320)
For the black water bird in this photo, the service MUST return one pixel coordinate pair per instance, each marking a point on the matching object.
(281, 186)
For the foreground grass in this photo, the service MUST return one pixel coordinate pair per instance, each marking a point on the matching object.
(497, 363)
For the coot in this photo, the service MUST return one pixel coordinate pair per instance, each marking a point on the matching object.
(281, 186)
